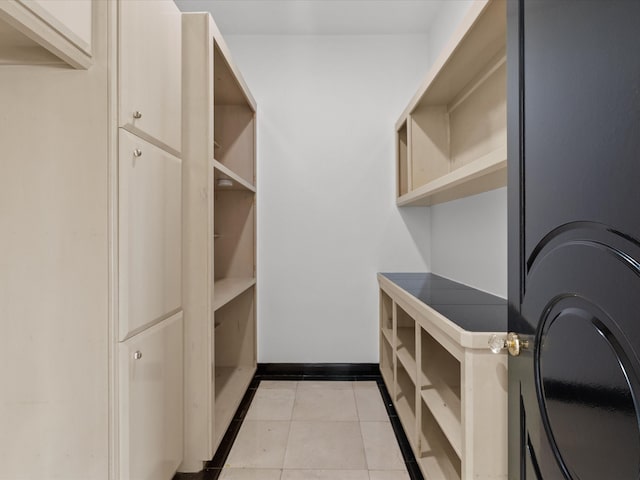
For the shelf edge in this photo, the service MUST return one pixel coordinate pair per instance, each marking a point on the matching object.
(491, 167)
(217, 166)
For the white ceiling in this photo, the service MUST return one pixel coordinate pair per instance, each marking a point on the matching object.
(318, 17)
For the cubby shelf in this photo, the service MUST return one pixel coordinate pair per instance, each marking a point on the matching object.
(451, 138)
(230, 385)
(387, 335)
(436, 457)
(406, 351)
(485, 173)
(446, 410)
(221, 171)
(226, 289)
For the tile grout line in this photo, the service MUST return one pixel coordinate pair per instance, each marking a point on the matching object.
(364, 448)
(286, 445)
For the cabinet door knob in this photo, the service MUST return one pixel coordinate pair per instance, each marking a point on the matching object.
(137, 355)
(137, 114)
(137, 152)
(512, 343)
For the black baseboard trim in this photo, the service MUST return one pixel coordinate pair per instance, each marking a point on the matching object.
(318, 371)
(348, 372)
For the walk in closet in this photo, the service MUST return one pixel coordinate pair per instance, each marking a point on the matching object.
(128, 206)
(219, 268)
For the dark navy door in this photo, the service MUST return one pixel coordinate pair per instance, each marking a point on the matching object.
(574, 239)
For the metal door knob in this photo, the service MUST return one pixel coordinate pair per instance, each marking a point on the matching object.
(137, 152)
(137, 355)
(512, 343)
(137, 114)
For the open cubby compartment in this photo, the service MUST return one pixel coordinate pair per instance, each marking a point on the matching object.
(406, 342)
(234, 127)
(405, 402)
(386, 317)
(402, 153)
(234, 232)
(440, 388)
(386, 363)
(234, 341)
(435, 455)
(451, 132)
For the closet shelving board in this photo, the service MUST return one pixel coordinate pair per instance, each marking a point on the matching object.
(220, 171)
(227, 289)
(451, 138)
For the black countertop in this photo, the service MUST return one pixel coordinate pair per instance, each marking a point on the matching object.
(467, 307)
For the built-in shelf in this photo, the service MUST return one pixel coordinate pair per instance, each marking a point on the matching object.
(406, 351)
(485, 173)
(230, 385)
(451, 138)
(445, 407)
(226, 289)
(387, 335)
(405, 399)
(219, 135)
(220, 171)
(436, 458)
(449, 390)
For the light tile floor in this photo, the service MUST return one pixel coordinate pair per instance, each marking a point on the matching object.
(316, 431)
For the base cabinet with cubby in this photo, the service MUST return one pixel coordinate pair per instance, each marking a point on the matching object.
(448, 388)
(219, 235)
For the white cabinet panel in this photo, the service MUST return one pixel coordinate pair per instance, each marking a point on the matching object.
(150, 239)
(45, 32)
(151, 70)
(71, 17)
(151, 402)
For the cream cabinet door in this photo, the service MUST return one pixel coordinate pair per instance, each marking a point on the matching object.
(150, 56)
(150, 402)
(150, 238)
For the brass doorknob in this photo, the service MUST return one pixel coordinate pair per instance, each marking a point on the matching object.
(512, 343)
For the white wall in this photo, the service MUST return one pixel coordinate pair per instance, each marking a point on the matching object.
(444, 23)
(327, 220)
(468, 236)
(469, 241)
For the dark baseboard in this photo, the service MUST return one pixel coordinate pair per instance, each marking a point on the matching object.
(318, 371)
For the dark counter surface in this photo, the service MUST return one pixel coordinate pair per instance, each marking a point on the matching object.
(471, 309)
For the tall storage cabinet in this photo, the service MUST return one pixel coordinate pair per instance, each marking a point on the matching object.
(150, 319)
(91, 357)
(219, 188)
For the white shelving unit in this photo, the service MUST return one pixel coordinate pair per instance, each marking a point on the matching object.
(219, 234)
(451, 139)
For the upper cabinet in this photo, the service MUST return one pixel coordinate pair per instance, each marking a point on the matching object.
(150, 69)
(46, 32)
(451, 139)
